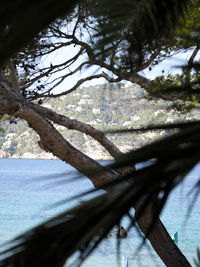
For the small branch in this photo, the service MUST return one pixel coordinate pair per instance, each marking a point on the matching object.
(148, 62)
(81, 81)
(61, 34)
(55, 48)
(55, 68)
(76, 25)
(109, 79)
(60, 80)
(190, 61)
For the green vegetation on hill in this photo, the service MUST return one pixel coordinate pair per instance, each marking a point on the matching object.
(102, 106)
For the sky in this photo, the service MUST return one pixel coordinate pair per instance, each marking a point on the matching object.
(169, 66)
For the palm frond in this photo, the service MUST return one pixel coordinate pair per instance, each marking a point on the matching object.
(136, 26)
(167, 126)
(76, 230)
(19, 24)
(197, 261)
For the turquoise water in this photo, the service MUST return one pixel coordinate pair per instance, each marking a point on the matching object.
(27, 187)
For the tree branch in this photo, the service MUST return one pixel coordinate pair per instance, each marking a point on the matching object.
(78, 84)
(81, 127)
(146, 63)
(190, 62)
(53, 142)
(56, 68)
(138, 79)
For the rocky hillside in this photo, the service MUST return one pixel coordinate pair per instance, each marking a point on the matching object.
(102, 106)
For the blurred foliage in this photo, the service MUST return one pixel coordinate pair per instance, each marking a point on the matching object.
(19, 24)
(62, 236)
(112, 35)
(135, 27)
(197, 260)
(188, 30)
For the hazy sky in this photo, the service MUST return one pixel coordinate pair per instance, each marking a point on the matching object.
(169, 66)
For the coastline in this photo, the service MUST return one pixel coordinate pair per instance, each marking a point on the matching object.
(46, 156)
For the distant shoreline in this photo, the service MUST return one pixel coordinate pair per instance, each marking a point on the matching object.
(45, 158)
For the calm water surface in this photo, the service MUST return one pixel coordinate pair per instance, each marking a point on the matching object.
(27, 187)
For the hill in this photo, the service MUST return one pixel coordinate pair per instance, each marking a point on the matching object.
(102, 106)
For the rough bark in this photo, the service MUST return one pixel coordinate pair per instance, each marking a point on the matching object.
(53, 142)
(97, 135)
(13, 76)
(159, 238)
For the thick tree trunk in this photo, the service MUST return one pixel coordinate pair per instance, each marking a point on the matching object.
(160, 238)
(53, 142)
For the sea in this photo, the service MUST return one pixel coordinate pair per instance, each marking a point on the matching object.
(29, 188)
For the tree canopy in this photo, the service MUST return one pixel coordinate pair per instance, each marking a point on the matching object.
(82, 33)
